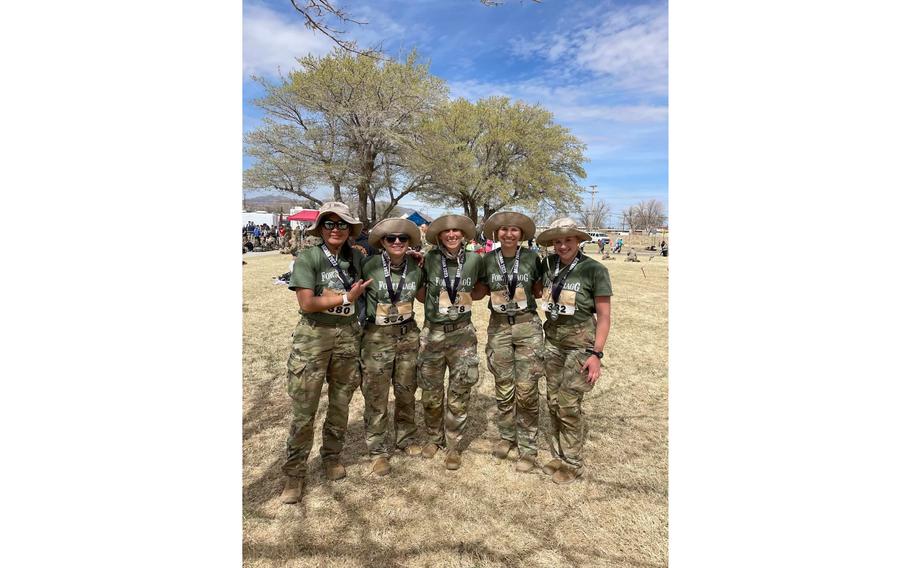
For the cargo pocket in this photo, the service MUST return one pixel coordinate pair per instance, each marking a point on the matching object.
(296, 371)
(578, 380)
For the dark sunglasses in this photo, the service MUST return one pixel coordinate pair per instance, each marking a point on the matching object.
(340, 225)
(392, 238)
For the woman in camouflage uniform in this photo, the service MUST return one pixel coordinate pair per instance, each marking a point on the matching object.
(576, 300)
(326, 343)
(448, 338)
(391, 340)
(512, 276)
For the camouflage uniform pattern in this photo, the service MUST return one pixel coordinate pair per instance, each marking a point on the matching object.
(319, 355)
(566, 387)
(458, 350)
(390, 359)
(515, 358)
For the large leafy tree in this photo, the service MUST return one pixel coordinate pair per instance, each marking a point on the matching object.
(348, 120)
(495, 153)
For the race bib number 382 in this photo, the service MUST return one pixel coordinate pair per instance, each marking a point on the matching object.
(566, 305)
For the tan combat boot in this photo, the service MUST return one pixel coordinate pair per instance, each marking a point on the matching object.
(453, 459)
(334, 471)
(525, 464)
(412, 450)
(429, 450)
(293, 490)
(381, 466)
(552, 466)
(502, 448)
(566, 475)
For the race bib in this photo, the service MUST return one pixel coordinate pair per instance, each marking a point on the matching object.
(462, 303)
(499, 301)
(392, 314)
(566, 305)
(337, 310)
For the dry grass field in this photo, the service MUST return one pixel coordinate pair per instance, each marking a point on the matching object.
(484, 514)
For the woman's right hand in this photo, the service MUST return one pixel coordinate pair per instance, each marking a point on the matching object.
(358, 288)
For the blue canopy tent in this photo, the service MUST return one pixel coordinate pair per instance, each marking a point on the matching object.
(418, 219)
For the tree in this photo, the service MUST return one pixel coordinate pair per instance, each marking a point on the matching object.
(594, 218)
(492, 154)
(647, 215)
(348, 120)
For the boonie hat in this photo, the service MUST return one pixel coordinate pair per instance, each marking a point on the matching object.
(394, 227)
(446, 222)
(507, 219)
(339, 209)
(562, 227)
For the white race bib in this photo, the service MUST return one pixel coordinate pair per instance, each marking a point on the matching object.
(386, 315)
(566, 305)
(337, 310)
(499, 300)
(462, 303)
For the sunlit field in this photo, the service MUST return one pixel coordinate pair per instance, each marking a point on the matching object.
(484, 514)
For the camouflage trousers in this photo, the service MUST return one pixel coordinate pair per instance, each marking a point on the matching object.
(389, 356)
(515, 358)
(319, 355)
(564, 355)
(456, 350)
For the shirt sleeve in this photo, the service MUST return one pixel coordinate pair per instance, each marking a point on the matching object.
(303, 274)
(602, 286)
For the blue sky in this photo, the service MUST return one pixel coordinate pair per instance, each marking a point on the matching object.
(599, 67)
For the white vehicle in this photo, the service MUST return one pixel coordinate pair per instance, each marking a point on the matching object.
(597, 235)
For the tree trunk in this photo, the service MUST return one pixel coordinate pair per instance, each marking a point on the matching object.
(336, 190)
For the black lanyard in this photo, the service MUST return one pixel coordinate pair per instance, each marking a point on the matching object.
(334, 263)
(387, 271)
(452, 290)
(509, 284)
(557, 284)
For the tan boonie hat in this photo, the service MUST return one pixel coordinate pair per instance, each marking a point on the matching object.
(340, 209)
(445, 222)
(509, 219)
(394, 227)
(562, 227)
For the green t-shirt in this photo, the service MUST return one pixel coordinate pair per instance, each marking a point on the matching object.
(313, 270)
(377, 293)
(470, 274)
(588, 279)
(530, 270)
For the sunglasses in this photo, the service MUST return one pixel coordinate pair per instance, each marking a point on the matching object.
(340, 225)
(392, 238)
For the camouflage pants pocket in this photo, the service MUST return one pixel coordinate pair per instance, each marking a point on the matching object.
(574, 378)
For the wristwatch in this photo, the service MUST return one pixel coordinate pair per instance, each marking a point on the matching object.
(599, 354)
(344, 300)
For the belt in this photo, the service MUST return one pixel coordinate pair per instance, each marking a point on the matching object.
(520, 318)
(314, 323)
(448, 327)
(398, 328)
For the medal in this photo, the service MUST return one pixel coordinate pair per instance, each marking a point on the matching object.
(393, 310)
(453, 312)
(554, 315)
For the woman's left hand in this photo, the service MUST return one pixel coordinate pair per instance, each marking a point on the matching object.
(592, 366)
(416, 255)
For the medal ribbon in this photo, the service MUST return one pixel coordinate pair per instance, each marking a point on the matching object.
(510, 285)
(387, 271)
(452, 290)
(557, 283)
(344, 279)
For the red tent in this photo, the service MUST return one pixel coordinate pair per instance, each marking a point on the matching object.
(307, 216)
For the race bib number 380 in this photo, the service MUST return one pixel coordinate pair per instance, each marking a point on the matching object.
(566, 305)
(337, 310)
(462, 303)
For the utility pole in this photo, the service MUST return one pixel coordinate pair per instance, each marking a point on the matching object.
(593, 192)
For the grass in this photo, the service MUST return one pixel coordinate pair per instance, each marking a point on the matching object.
(485, 514)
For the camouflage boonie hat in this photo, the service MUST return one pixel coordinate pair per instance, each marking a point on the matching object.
(446, 222)
(559, 228)
(394, 227)
(509, 219)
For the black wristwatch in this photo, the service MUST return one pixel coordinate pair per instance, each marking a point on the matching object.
(600, 354)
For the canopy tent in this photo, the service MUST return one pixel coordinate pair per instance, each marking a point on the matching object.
(306, 216)
(418, 219)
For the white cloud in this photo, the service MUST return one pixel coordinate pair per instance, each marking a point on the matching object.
(272, 41)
